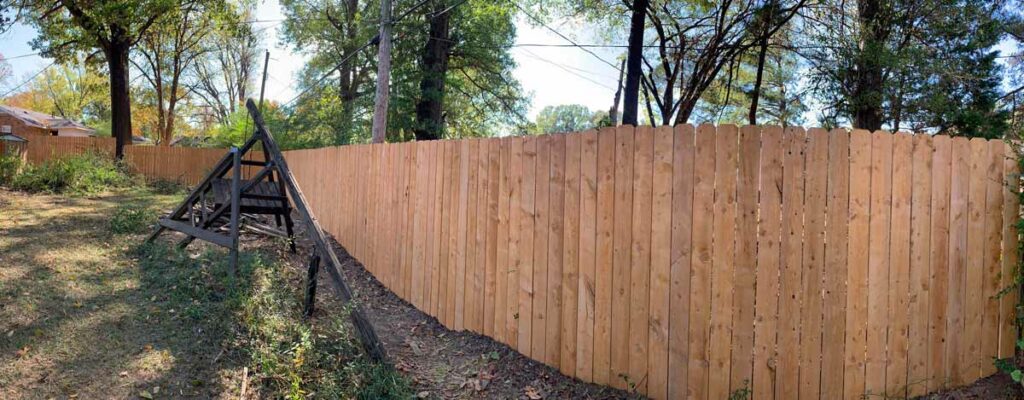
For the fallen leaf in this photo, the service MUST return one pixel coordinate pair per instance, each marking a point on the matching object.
(146, 395)
(124, 373)
(11, 333)
(21, 353)
(533, 393)
(147, 347)
(156, 390)
(422, 395)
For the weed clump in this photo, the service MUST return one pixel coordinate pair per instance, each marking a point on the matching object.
(130, 219)
(261, 311)
(81, 174)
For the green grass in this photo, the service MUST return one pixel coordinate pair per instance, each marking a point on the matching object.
(86, 310)
(81, 174)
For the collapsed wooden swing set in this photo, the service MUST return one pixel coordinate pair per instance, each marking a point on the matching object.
(215, 209)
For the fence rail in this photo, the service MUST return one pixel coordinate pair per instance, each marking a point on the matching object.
(186, 165)
(697, 261)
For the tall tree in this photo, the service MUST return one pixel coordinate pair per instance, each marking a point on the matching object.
(898, 64)
(221, 76)
(436, 53)
(166, 51)
(382, 95)
(110, 27)
(634, 60)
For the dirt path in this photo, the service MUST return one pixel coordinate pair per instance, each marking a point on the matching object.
(443, 364)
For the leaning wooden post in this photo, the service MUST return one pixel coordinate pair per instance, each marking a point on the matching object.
(363, 329)
(236, 200)
(314, 267)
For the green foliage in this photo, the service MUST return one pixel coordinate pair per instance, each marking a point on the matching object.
(9, 167)
(291, 358)
(130, 218)
(82, 174)
(568, 118)
(480, 98)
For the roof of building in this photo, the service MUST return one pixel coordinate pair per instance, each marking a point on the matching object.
(13, 138)
(42, 120)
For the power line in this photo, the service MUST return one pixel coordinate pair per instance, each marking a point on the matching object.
(567, 69)
(27, 81)
(539, 21)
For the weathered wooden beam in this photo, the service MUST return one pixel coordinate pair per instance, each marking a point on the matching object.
(236, 200)
(209, 236)
(364, 330)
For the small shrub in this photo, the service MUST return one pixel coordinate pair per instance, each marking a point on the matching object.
(81, 174)
(129, 219)
(9, 167)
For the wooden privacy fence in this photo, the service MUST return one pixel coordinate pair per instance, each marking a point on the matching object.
(41, 148)
(186, 165)
(697, 261)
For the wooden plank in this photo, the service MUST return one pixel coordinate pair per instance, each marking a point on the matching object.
(993, 252)
(878, 262)
(526, 261)
(456, 221)
(920, 252)
(970, 356)
(680, 259)
(433, 229)
(514, 252)
(640, 257)
(571, 257)
(444, 238)
(746, 259)
(466, 220)
(1011, 255)
(723, 261)
(480, 259)
(490, 280)
(899, 266)
(958, 252)
(437, 237)
(470, 298)
(836, 229)
(555, 250)
(769, 256)
(202, 234)
(661, 268)
(418, 262)
(816, 192)
(939, 262)
(621, 252)
(857, 269)
(701, 264)
(502, 269)
(603, 276)
(587, 257)
(792, 263)
(542, 220)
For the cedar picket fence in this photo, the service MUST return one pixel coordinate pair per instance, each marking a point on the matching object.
(685, 261)
(697, 261)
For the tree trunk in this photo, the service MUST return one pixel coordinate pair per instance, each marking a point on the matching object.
(380, 102)
(866, 94)
(430, 106)
(633, 62)
(613, 113)
(755, 95)
(120, 96)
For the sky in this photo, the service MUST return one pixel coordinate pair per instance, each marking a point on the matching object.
(550, 75)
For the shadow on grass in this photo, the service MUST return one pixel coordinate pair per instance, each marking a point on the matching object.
(89, 313)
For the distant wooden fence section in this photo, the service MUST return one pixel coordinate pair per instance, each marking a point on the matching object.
(185, 165)
(41, 148)
(697, 261)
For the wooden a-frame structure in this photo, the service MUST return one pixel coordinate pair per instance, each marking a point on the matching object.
(218, 204)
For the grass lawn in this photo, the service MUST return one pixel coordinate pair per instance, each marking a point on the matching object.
(88, 313)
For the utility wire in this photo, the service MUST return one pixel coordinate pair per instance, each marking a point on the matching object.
(26, 81)
(567, 39)
(567, 69)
